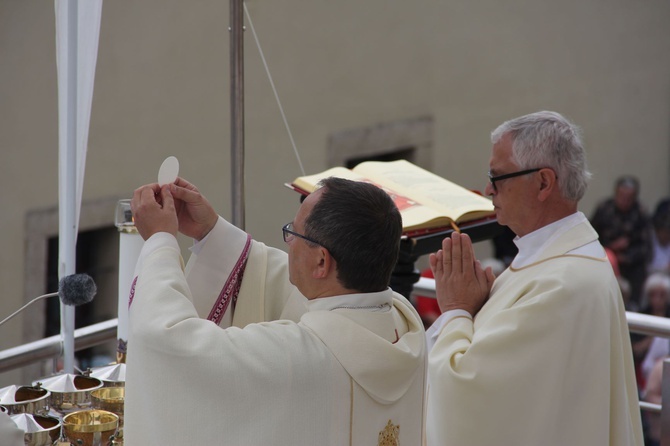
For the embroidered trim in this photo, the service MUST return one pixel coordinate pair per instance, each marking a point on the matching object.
(131, 296)
(231, 289)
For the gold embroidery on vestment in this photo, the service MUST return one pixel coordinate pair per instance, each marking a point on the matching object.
(389, 436)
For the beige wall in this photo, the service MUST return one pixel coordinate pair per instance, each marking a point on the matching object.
(162, 89)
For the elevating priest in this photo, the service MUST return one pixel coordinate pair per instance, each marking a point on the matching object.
(345, 366)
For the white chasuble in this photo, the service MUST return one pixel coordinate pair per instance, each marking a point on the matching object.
(338, 377)
(547, 361)
(265, 295)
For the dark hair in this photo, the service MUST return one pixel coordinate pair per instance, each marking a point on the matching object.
(361, 227)
(661, 217)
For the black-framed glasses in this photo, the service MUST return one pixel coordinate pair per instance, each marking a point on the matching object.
(493, 180)
(289, 234)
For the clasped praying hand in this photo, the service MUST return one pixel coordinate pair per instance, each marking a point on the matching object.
(460, 281)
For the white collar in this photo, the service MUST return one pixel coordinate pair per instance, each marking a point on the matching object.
(533, 244)
(378, 301)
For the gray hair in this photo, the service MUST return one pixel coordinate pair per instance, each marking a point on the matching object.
(657, 279)
(547, 139)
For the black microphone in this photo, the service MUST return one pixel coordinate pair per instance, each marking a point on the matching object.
(73, 290)
(76, 289)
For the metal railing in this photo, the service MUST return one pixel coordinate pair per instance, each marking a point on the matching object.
(96, 334)
(49, 348)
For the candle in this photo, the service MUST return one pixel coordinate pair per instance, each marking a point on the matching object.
(130, 245)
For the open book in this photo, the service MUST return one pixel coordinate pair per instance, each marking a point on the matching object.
(426, 201)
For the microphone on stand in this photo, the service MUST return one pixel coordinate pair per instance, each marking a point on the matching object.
(73, 290)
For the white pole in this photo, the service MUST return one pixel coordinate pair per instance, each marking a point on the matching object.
(68, 189)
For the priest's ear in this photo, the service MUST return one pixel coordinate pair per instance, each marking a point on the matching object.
(325, 265)
(548, 183)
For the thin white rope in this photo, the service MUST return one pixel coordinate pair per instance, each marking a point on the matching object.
(272, 84)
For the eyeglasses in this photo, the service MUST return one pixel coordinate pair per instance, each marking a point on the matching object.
(289, 234)
(493, 180)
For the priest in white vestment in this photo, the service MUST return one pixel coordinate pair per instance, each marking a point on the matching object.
(346, 365)
(540, 355)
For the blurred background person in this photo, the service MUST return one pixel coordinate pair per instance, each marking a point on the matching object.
(625, 294)
(648, 349)
(653, 394)
(660, 238)
(624, 227)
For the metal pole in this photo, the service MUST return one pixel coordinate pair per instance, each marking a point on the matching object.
(237, 111)
(67, 238)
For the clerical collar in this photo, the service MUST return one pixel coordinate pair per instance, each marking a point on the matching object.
(533, 244)
(378, 301)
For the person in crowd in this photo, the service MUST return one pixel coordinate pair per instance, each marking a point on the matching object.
(653, 394)
(646, 349)
(652, 350)
(624, 286)
(541, 354)
(657, 303)
(660, 238)
(624, 226)
(351, 369)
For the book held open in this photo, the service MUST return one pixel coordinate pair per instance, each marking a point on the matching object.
(426, 201)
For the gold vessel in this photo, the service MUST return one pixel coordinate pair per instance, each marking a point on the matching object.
(111, 399)
(92, 427)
